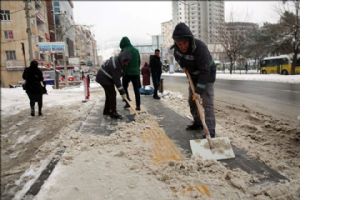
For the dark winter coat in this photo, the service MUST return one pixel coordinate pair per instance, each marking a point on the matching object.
(155, 65)
(33, 77)
(146, 74)
(110, 73)
(197, 60)
(135, 63)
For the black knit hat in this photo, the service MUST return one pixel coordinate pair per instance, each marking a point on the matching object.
(182, 31)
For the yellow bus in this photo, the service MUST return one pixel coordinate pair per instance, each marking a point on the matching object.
(278, 65)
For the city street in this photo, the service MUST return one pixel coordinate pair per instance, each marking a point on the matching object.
(67, 131)
(281, 100)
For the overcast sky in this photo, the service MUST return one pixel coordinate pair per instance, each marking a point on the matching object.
(138, 20)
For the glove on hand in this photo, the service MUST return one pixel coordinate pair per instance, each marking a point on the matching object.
(122, 93)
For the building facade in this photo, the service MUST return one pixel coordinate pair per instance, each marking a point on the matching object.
(49, 21)
(14, 38)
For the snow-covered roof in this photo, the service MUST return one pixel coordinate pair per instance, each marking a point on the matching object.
(276, 57)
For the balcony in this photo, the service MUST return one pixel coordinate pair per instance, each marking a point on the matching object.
(40, 18)
(15, 65)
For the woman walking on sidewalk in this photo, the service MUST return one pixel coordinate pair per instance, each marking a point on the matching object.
(33, 85)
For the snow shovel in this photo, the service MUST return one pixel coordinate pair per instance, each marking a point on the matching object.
(209, 148)
(130, 117)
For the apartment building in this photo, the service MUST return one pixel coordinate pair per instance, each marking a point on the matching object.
(14, 39)
(62, 26)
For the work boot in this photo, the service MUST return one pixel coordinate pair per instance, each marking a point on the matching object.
(156, 97)
(138, 108)
(194, 127)
(32, 112)
(115, 115)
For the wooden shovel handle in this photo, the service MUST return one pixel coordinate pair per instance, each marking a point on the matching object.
(126, 100)
(200, 109)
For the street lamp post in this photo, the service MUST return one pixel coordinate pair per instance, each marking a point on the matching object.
(28, 29)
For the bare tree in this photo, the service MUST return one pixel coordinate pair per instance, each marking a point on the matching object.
(234, 42)
(290, 24)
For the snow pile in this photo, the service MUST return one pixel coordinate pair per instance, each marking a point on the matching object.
(15, 100)
(252, 77)
(274, 142)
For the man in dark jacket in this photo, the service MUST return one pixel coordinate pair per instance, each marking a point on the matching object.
(194, 55)
(155, 68)
(33, 86)
(131, 71)
(108, 77)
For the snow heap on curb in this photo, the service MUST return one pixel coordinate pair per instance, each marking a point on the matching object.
(252, 77)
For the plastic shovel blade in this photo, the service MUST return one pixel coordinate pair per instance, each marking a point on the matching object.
(221, 148)
(130, 117)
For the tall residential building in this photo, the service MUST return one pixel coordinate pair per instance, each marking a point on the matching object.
(61, 25)
(204, 18)
(14, 38)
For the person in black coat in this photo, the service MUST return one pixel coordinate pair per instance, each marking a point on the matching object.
(108, 77)
(155, 68)
(33, 77)
(193, 55)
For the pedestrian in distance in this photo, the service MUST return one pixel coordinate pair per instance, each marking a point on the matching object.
(156, 70)
(131, 71)
(193, 54)
(34, 86)
(145, 71)
(109, 76)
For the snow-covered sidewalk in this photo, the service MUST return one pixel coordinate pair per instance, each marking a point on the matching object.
(251, 77)
(134, 161)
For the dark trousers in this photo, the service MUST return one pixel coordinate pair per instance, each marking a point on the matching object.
(136, 81)
(110, 101)
(156, 82)
(207, 103)
(35, 98)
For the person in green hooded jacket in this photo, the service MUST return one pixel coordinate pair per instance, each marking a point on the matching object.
(131, 73)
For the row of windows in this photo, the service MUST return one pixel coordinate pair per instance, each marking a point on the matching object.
(273, 62)
(4, 15)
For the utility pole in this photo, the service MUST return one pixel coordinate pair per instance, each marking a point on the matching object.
(63, 38)
(23, 52)
(28, 30)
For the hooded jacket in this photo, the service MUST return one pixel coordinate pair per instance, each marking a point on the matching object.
(110, 73)
(133, 66)
(197, 60)
(146, 74)
(33, 76)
